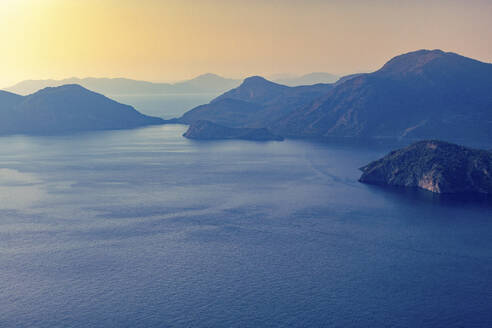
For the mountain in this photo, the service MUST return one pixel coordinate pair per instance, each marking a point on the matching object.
(436, 166)
(201, 84)
(308, 79)
(205, 130)
(65, 109)
(257, 102)
(206, 83)
(422, 94)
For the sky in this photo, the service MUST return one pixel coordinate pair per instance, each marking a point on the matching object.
(169, 40)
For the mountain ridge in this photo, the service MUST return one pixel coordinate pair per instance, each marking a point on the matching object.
(422, 94)
(204, 83)
(111, 86)
(254, 104)
(425, 94)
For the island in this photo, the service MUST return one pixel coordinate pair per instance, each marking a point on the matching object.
(436, 166)
(205, 130)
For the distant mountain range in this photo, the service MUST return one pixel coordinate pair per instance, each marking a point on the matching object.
(427, 94)
(424, 94)
(308, 79)
(65, 109)
(207, 83)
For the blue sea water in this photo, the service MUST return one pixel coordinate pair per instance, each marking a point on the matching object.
(166, 106)
(143, 228)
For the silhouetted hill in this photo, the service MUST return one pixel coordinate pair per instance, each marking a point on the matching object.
(423, 94)
(308, 79)
(205, 130)
(114, 86)
(257, 102)
(255, 89)
(68, 108)
(436, 166)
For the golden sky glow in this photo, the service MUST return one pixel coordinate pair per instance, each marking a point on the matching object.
(171, 40)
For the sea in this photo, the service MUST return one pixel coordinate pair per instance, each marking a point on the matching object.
(144, 228)
(167, 106)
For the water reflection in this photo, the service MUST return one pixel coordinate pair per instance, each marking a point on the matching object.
(18, 190)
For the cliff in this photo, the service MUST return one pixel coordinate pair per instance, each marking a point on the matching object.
(435, 166)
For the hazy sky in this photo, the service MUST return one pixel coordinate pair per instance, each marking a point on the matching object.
(164, 40)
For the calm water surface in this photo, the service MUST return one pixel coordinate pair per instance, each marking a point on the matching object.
(143, 228)
(166, 106)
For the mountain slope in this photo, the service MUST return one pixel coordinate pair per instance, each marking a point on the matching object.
(257, 102)
(8, 100)
(423, 94)
(69, 108)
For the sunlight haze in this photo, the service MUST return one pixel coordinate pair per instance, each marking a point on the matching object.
(174, 40)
